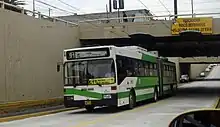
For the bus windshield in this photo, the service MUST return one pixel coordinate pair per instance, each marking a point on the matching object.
(90, 72)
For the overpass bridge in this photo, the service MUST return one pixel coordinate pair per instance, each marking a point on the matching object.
(157, 35)
(93, 29)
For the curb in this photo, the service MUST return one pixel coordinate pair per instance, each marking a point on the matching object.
(30, 103)
(12, 106)
(19, 117)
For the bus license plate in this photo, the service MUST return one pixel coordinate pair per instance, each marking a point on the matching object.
(88, 102)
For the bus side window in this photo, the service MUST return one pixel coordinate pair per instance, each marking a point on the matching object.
(155, 69)
(119, 70)
(151, 69)
(164, 70)
(123, 68)
(129, 67)
(141, 68)
(146, 68)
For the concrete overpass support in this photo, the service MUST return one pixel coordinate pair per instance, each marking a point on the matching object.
(29, 51)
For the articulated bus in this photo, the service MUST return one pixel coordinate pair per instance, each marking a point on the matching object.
(115, 76)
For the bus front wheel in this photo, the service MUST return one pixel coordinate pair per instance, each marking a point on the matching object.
(89, 108)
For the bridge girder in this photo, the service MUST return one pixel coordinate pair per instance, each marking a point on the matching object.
(186, 45)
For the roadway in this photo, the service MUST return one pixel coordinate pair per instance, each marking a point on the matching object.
(190, 96)
(214, 73)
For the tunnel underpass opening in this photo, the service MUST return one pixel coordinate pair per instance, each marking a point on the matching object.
(200, 72)
(184, 69)
(194, 71)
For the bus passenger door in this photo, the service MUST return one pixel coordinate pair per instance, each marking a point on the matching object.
(160, 75)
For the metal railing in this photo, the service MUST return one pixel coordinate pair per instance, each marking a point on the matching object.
(149, 18)
(38, 15)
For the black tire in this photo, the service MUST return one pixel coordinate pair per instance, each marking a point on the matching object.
(173, 90)
(155, 98)
(90, 108)
(66, 105)
(132, 100)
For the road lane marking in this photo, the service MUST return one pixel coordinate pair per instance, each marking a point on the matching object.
(102, 119)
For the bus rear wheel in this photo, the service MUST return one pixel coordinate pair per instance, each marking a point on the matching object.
(132, 100)
(89, 108)
(173, 89)
(155, 95)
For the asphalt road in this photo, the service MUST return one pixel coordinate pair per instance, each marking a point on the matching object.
(190, 96)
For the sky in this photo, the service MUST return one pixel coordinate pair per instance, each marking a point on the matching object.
(93, 6)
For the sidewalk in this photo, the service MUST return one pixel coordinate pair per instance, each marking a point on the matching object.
(31, 106)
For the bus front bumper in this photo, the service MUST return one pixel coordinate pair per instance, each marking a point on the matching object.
(70, 102)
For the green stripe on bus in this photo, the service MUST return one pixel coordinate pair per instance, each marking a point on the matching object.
(144, 97)
(123, 94)
(146, 81)
(144, 87)
(149, 58)
(83, 93)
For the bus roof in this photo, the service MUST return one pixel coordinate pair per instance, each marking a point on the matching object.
(90, 47)
(130, 48)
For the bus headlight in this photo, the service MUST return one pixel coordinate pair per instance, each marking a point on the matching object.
(107, 96)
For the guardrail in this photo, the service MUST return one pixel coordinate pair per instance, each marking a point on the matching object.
(38, 15)
(149, 18)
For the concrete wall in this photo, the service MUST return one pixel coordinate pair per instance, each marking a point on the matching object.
(2, 64)
(199, 59)
(196, 69)
(155, 28)
(94, 31)
(29, 51)
(130, 13)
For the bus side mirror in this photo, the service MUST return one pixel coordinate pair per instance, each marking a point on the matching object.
(58, 66)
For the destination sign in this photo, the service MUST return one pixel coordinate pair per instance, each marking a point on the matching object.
(82, 54)
(201, 24)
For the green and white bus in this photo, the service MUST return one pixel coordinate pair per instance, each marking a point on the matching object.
(115, 76)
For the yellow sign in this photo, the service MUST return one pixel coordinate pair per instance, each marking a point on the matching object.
(203, 24)
(101, 81)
